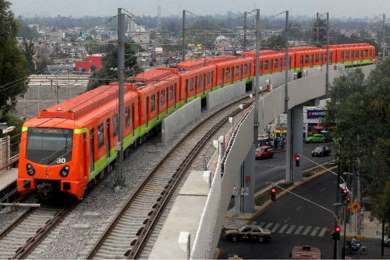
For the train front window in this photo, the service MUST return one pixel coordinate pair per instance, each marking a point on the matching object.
(49, 145)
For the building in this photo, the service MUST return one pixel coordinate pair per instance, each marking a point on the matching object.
(91, 62)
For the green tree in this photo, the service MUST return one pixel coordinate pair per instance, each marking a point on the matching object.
(360, 110)
(108, 72)
(13, 69)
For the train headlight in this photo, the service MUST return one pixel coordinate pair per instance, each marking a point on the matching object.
(30, 169)
(65, 171)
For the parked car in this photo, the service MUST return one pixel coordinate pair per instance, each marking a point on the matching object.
(387, 241)
(320, 151)
(305, 252)
(316, 138)
(264, 152)
(248, 232)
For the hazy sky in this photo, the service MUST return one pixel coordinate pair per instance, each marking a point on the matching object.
(76, 8)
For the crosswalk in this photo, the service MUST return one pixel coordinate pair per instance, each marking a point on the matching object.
(298, 230)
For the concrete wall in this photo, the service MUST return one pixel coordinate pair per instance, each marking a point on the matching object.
(179, 119)
(218, 199)
(226, 94)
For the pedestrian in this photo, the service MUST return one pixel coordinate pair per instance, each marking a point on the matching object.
(283, 142)
(276, 142)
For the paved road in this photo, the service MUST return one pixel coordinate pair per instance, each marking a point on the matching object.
(295, 222)
(268, 170)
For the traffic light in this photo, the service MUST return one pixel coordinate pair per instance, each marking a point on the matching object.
(273, 193)
(336, 233)
(297, 159)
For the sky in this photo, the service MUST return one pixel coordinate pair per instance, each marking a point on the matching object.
(77, 8)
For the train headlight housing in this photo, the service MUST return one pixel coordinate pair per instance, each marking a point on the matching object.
(30, 169)
(65, 171)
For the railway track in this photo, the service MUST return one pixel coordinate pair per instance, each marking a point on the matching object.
(128, 233)
(28, 230)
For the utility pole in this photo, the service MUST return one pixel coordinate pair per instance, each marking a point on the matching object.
(384, 37)
(257, 80)
(121, 93)
(183, 46)
(327, 55)
(286, 65)
(245, 28)
(318, 28)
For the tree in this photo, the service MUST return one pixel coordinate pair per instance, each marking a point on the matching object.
(360, 110)
(108, 72)
(13, 66)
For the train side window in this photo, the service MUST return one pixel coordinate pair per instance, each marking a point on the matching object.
(266, 64)
(153, 103)
(209, 78)
(115, 124)
(127, 117)
(191, 84)
(170, 96)
(317, 57)
(245, 68)
(200, 81)
(301, 60)
(100, 135)
(196, 82)
(276, 63)
(162, 97)
(186, 86)
(237, 71)
(92, 149)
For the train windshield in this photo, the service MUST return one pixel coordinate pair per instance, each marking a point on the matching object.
(49, 145)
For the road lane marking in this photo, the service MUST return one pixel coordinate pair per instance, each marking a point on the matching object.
(314, 232)
(269, 225)
(275, 227)
(290, 230)
(322, 232)
(306, 231)
(299, 229)
(281, 230)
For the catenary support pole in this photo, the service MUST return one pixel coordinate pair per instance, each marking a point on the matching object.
(183, 44)
(383, 37)
(245, 29)
(119, 180)
(327, 56)
(286, 65)
(257, 80)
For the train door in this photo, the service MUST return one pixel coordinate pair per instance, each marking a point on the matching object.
(223, 77)
(91, 150)
(147, 111)
(108, 138)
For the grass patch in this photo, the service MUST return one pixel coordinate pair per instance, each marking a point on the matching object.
(262, 198)
(285, 185)
(307, 174)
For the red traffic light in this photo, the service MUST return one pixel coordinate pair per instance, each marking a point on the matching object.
(297, 159)
(273, 193)
(337, 229)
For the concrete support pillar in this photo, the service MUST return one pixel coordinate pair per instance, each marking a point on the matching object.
(248, 182)
(294, 142)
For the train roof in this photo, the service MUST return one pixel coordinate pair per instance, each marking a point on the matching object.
(153, 75)
(81, 105)
(190, 64)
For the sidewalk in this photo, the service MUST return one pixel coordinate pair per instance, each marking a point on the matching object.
(371, 228)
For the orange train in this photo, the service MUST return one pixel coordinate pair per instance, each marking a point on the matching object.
(68, 145)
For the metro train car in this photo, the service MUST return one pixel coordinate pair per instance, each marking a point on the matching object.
(67, 146)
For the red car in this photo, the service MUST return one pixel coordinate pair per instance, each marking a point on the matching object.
(264, 152)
